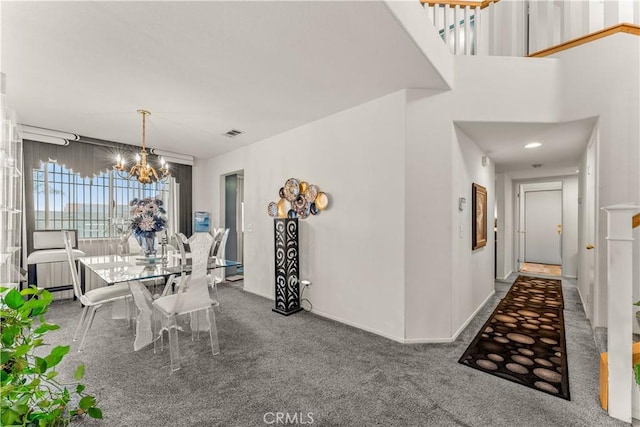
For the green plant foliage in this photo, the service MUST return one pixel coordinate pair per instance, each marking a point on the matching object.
(30, 394)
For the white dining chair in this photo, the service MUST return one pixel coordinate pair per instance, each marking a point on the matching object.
(192, 297)
(216, 277)
(145, 330)
(94, 299)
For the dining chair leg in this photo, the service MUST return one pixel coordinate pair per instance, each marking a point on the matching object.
(81, 322)
(213, 331)
(195, 326)
(215, 289)
(127, 307)
(158, 332)
(92, 315)
(174, 348)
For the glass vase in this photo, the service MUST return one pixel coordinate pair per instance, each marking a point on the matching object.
(147, 242)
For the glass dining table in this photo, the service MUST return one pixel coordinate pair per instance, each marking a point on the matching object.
(124, 268)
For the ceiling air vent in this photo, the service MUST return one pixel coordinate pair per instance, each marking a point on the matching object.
(536, 165)
(233, 133)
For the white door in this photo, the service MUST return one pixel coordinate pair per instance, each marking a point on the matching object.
(543, 226)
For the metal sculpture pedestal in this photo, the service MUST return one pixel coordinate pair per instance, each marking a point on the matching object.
(287, 266)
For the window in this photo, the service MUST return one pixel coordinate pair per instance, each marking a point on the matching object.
(97, 207)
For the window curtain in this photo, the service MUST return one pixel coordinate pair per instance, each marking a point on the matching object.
(89, 157)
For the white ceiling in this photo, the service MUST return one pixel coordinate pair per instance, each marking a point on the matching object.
(201, 68)
(562, 145)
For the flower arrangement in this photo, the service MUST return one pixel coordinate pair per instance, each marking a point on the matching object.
(147, 216)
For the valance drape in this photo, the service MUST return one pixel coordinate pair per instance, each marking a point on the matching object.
(90, 157)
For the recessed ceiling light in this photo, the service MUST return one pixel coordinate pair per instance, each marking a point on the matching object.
(577, 170)
(533, 145)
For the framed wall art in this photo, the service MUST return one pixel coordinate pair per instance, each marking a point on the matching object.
(479, 216)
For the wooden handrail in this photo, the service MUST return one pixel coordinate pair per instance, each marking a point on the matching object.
(462, 3)
(619, 28)
(635, 221)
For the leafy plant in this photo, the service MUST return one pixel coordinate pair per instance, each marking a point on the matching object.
(31, 393)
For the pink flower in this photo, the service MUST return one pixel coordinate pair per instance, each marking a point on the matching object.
(146, 223)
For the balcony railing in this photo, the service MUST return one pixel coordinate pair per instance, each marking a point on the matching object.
(525, 28)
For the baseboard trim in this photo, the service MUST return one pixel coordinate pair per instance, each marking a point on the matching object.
(504, 279)
(458, 332)
(389, 336)
(427, 341)
(358, 326)
(584, 307)
(260, 294)
(474, 314)
(338, 319)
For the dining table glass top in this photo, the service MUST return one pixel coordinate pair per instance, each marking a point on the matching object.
(123, 268)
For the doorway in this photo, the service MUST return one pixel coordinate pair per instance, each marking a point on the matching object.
(234, 221)
(540, 228)
(546, 269)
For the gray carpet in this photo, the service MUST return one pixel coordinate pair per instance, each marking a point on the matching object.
(307, 364)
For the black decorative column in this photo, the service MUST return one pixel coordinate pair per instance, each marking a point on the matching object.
(287, 266)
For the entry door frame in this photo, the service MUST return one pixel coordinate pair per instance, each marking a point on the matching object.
(588, 273)
(236, 236)
(521, 188)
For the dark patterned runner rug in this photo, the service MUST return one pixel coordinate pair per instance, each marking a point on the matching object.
(523, 340)
(536, 291)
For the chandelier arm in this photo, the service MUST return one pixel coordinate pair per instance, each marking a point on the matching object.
(121, 173)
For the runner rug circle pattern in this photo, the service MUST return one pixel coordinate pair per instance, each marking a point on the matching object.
(524, 339)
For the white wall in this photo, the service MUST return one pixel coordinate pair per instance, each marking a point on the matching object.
(473, 269)
(354, 251)
(387, 256)
(570, 226)
(428, 261)
(439, 267)
(404, 166)
(600, 79)
(504, 204)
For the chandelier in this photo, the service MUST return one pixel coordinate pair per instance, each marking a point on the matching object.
(142, 171)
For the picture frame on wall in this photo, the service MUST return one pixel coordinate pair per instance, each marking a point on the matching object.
(479, 216)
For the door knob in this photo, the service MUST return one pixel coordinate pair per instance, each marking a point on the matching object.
(590, 247)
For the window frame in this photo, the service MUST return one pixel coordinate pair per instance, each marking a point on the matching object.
(114, 188)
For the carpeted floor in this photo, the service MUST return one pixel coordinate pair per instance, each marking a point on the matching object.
(305, 364)
(523, 339)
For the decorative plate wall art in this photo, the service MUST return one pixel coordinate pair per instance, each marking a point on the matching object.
(291, 189)
(298, 199)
